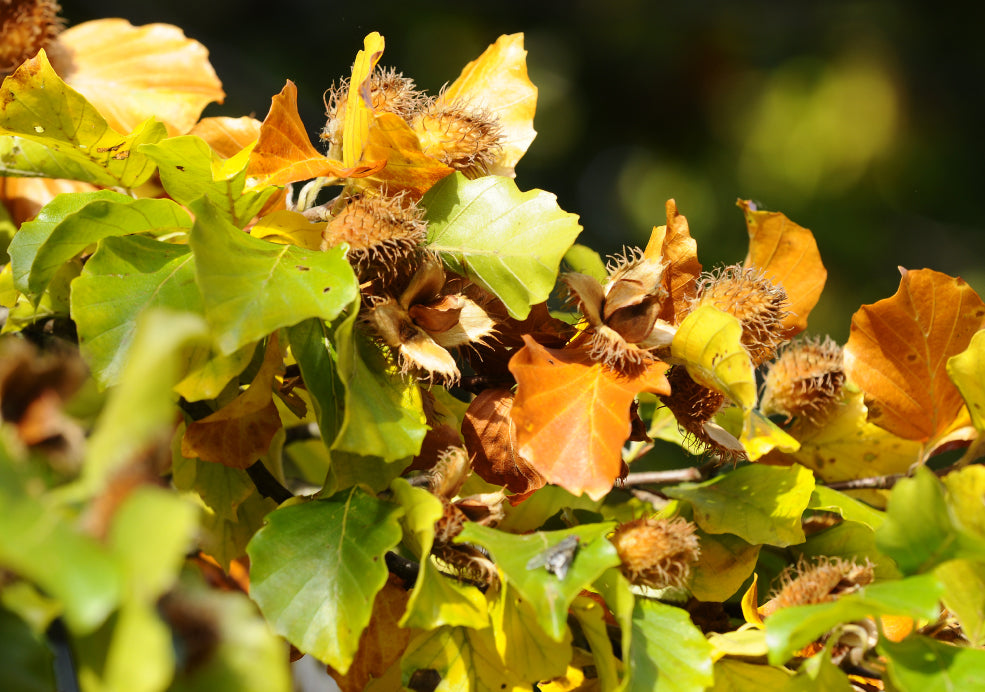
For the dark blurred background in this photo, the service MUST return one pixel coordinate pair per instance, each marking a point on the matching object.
(860, 120)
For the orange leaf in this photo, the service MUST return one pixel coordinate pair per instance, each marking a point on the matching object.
(240, 432)
(24, 197)
(898, 349)
(497, 82)
(391, 141)
(284, 153)
(382, 643)
(572, 415)
(227, 136)
(674, 245)
(132, 73)
(788, 255)
(359, 100)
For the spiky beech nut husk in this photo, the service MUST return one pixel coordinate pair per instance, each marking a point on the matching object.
(390, 92)
(806, 380)
(466, 560)
(448, 475)
(759, 305)
(460, 136)
(416, 351)
(26, 26)
(383, 233)
(820, 580)
(694, 406)
(658, 553)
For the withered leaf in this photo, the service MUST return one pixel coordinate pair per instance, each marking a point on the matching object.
(674, 245)
(490, 437)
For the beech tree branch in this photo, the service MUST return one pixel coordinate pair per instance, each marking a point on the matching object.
(660, 477)
(266, 484)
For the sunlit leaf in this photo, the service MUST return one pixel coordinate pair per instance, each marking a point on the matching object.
(209, 372)
(133, 73)
(390, 140)
(850, 541)
(541, 505)
(673, 245)
(523, 645)
(227, 136)
(967, 371)
(497, 83)
(760, 435)
(509, 242)
(572, 415)
(584, 260)
(709, 342)
(251, 287)
(964, 595)
(38, 106)
(847, 507)
(790, 629)
(738, 676)
(922, 663)
(549, 595)
(653, 665)
(125, 277)
(899, 348)
(358, 102)
(788, 255)
(240, 432)
(335, 549)
(289, 227)
(457, 658)
(760, 504)
(726, 561)
(284, 154)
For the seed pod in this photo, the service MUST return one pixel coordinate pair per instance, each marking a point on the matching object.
(657, 552)
(694, 407)
(465, 560)
(462, 137)
(806, 380)
(825, 580)
(759, 305)
(26, 26)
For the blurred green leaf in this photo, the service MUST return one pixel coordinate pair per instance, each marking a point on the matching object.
(509, 242)
(549, 595)
(25, 659)
(125, 277)
(921, 664)
(668, 653)
(585, 260)
(760, 504)
(819, 673)
(525, 648)
(790, 629)
(850, 541)
(967, 371)
(38, 106)
(964, 596)
(251, 288)
(461, 659)
(738, 676)
(316, 567)
(189, 170)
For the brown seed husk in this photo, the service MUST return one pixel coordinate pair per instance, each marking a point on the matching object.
(459, 136)
(826, 579)
(805, 381)
(694, 406)
(658, 553)
(26, 26)
(759, 305)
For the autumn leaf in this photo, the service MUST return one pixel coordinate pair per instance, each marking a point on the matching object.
(572, 415)
(490, 436)
(289, 228)
(24, 197)
(899, 347)
(227, 136)
(284, 154)
(673, 245)
(359, 103)
(788, 255)
(497, 83)
(240, 432)
(132, 73)
(390, 141)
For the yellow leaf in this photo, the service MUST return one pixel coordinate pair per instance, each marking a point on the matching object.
(134, 73)
(289, 228)
(497, 83)
(967, 371)
(709, 342)
(750, 603)
(390, 140)
(227, 136)
(359, 102)
(760, 435)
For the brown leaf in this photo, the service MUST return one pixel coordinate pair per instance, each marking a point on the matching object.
(227, 136)
(674, 245)
(284, 154)
(382, 643)
(572, 415)
(240, 432)
(407, 168)
(132, 73)
(490, 436)
(898, 349)
(788, 255)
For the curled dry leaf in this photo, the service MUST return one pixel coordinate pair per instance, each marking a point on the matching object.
(898, 350)
(572, 415)
(132, 73)
(358, 110)
(788, 256)
(490, 436)
(673, 245)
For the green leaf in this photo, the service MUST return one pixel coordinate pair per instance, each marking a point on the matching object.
(190, 169)
(252, 288)
(791, 629)
(615, 589)
(964, 595)
(125, 277)
(25, 658)
(726, 561)
(760, 504)
(39, 107)
(585, 260)
(509, 242)
(668, 653)
(925, 665)
(591, 618)
(525, 648)
(847, 507)
(543, 504)
(850, 541)
(312, 348)
(316, 567)
(549, 595)
(820, 673)
(33, 235)
(965, 490)
(384, 414)
(461, 659)
(920, 531)
(738, 676)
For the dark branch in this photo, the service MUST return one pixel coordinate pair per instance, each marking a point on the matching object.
(406, 569)
(660, 477)
(267, 484)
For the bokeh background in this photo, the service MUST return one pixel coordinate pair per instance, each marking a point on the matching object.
(861, 120)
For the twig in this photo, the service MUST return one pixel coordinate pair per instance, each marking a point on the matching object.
(661, 477)
(880, 482)
(63, 661)
(401, 567)
(267, 484)
(301, 433)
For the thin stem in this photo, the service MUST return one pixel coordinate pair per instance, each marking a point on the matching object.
(661, 477)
